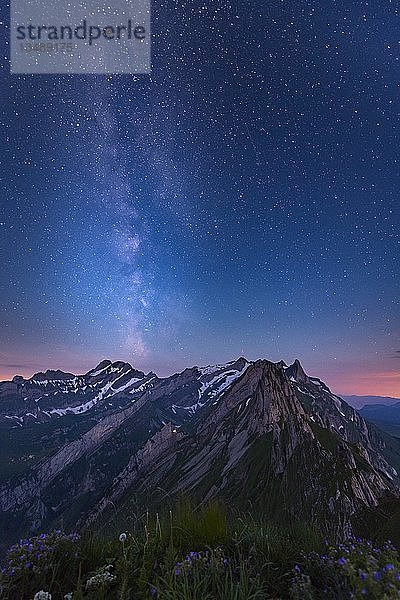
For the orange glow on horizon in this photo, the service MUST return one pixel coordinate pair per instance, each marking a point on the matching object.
(385, 383)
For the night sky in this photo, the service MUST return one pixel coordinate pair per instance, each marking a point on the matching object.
(243, 199)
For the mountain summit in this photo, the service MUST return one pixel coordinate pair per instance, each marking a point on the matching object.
(295, 372)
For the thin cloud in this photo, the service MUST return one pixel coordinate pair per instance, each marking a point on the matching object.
(15, 366)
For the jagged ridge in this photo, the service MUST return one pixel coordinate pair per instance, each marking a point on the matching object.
(254, 432)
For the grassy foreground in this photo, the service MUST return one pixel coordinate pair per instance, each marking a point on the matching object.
(199, 555)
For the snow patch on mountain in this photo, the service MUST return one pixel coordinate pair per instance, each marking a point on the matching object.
(221, 381)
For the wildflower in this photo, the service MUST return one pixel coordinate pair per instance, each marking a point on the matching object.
(122, 537)
(377, 575)
(153, 590)
(363, 576)
(342, 561)
(389, 567)
(42, 595)
(100, 579)
(178, 571)
(297, 569)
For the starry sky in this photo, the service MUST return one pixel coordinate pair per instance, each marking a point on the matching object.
(242, 199)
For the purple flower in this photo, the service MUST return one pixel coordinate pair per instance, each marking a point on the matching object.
(377, 576)
(364, 592)
(363, 576)
(297, 569)
(342, 561)
(389, 567)
(178, 571)
(153, 590)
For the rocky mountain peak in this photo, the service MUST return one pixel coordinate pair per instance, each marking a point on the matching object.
(295, 372)
(250, 432)
(52, 375)
(101, 366)
(281, 364)
(263, 392)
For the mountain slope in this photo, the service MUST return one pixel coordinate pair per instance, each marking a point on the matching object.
(260, 447)
(54, 393)
(40, 415)
(333, 414)
(71, 477)
(254, 433)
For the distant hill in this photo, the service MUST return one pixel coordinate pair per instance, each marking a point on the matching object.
(360, 401)
(383, 416)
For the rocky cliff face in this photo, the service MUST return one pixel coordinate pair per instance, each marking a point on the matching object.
(256, 434)
(259, 445)
(104, 442)
(54, 394)
(332, 413)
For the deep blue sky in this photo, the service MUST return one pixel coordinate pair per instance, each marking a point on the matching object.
(243, 199)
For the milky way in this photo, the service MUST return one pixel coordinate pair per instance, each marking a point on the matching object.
(240, 199)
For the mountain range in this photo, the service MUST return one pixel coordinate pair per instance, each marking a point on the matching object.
(361, 401)
(76, 450)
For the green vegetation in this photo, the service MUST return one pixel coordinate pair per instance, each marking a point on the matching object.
(202, 554)
(22, 448)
